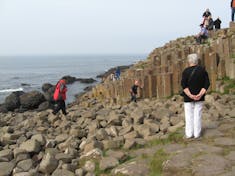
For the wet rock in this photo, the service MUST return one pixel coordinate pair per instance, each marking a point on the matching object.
(31, 100)
(46, 87)
(13, 100)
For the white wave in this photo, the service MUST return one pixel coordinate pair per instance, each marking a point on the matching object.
(11, 90)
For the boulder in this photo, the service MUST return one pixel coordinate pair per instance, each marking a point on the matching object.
(62, 172)
(89, 166)
(48, 164)
(108, 163)
(31, 146)
(44, 106)
(6, 168)
(13, 100)
(86, 80)
(25, 165)
(31, 100)
(7, 154)
(69, 79)
(3, 108)
(46, 87)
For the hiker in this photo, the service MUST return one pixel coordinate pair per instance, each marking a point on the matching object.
(203, 34)
(205, 16)
(117, 73)
(133, 90)
(217, 23)
(195, 82)
(232, 9)
(60, 97)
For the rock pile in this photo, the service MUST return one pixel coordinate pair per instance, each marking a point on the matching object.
(95, 136)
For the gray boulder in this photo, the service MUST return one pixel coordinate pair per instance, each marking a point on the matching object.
(31, 100)
(46, 87)
(48, 164)
(6, 168)
(13, 100)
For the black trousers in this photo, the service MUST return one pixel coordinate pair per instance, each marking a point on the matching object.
(133, 97)
(60, 105)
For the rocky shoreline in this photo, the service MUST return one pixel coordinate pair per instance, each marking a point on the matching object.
(35, 100)
(95, 139)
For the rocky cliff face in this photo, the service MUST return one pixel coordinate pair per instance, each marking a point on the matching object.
(161, 71)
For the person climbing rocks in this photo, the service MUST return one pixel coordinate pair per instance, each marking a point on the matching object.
(203, 34)
(60, 97)
(134, 90)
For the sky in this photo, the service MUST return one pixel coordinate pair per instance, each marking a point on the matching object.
(75, 27)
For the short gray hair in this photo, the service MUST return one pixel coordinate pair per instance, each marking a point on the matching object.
(193, 58)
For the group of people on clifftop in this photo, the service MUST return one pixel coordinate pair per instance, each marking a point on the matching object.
(208, 24)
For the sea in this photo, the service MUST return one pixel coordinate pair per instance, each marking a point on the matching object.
(27, 73)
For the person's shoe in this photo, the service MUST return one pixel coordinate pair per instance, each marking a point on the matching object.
(186, 138)
(198, 138)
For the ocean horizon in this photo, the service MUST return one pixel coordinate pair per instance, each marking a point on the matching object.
(27, 73)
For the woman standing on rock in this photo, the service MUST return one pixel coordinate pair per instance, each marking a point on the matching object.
(195, 83)
(60, 97)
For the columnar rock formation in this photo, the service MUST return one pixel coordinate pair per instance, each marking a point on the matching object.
(161, 72)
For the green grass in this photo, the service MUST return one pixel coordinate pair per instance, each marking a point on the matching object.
(156, 163)
(176, 137)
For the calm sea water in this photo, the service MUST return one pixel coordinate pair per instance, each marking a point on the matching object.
(28, 73)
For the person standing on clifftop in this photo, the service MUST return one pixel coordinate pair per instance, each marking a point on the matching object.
(233, 9)
(60, 97)
(205, 16)
(133, 90)
(195, 82)
(217, 23)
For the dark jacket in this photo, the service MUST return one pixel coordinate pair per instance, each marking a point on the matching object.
(197, 81)
(217, 23)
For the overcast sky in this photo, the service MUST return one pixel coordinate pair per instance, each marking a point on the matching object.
(70, 27)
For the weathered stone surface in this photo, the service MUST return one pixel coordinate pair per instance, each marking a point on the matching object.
(89, 166)
(13, 101)
(138, 116)
(210, 165)
(6, 168)
(119, 155)
(101, 134)
(225, 141)
(135, 168)
(31, 146)
(25, 165)
(62, 172)
(108, 163)
(48, 164)
(40, 138)
(31, 100)
(63, 157)
(6, 154)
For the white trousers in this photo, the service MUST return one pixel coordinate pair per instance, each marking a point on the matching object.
(193, 114)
